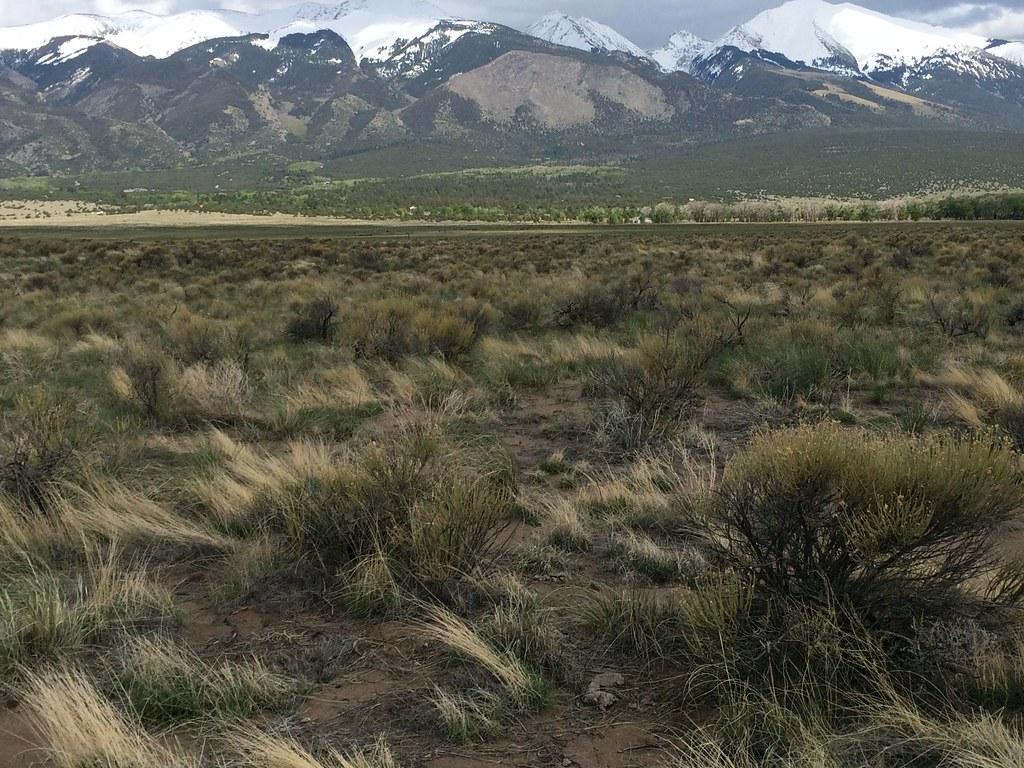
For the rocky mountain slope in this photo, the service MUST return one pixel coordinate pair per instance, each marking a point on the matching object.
(321, 81)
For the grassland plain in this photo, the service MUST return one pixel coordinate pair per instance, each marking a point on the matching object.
(717, 496)
(439, 182)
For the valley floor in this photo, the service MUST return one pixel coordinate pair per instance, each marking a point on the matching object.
(716, 496)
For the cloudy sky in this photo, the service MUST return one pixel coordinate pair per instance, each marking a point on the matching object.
(647, 22)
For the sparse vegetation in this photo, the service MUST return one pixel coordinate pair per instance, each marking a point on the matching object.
(748, 497)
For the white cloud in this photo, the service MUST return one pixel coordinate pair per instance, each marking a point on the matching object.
(989, 19)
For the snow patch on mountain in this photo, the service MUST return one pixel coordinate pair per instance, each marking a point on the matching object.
(682, 49)
(414, 57)
(372, 28)
(162, 36)
(833, 36)
(69, 49)
(1012, 51)
(582, 33)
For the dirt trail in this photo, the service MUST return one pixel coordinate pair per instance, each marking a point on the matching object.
(17, 741)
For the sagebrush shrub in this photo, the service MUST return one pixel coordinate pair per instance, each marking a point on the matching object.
(37, 445)
(143, 377)
(896, 529)
(392, 329)
(409, 512)
(656, 385)
(314, 321)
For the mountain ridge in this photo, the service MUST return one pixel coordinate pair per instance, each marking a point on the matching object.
(312, 82)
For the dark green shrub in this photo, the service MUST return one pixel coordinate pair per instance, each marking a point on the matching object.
(36, 447)
(314, 321)
(893, 530)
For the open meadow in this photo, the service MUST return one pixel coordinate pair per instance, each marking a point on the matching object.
(694, 497)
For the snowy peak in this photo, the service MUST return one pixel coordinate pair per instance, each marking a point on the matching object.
(845, 36)
(1008, 50)
(371, 27)
(582, 33)
(412, 58)
(682, 50)
(839, 37)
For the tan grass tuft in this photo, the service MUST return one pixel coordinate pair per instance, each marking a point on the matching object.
(263, 750)
(80, 727)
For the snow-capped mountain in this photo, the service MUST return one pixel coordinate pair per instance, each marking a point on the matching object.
(839, 37)
(680, 52)
(414, 57)
(846, 38)
(370, 27)
(314, 81)
(1008, 50)
(582, 33)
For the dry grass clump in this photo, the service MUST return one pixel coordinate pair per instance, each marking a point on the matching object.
(983, 398)
(432, 385)
(228, 496)
(657, 493)
(639, 553)
(644, 624)
(101, 511)
(81, 728)
(165, 683)
(163, 390)
(689, 626)
(521, 626)
(214, 392)
(331, 405)
(468, 717)
(409, 512)
(345, 385)
(517, 630)
(799, 360)
(568, 527)
(27, 537)
(44, 614)
(518, 685)
(512, 365)
(263, 750)
(390, 329)
(107, 509)
(25, 340)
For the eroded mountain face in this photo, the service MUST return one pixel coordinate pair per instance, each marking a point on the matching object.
(314, 81)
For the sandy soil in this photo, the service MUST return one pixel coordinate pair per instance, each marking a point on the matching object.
(70, 213)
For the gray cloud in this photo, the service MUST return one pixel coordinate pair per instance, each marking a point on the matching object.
(648, 22)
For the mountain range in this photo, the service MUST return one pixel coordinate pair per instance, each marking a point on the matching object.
(314, 82)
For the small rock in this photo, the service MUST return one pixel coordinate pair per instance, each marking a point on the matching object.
(600, 692)
(600, 699)
(606, 680)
